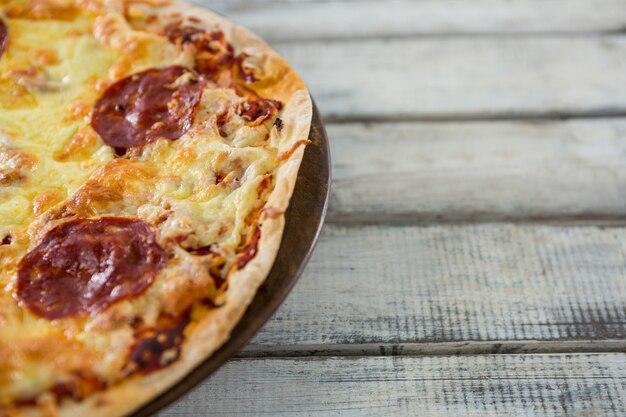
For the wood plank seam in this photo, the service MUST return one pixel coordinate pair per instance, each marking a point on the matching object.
(531, 117)
(503, 347)
(581, 385)
(451, 35)
(463, 78)
(484, 283)
(538, 116)
(301, 21)
(356, 220)
(563, 172)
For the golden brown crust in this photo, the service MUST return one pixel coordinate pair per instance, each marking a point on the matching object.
(203, 337)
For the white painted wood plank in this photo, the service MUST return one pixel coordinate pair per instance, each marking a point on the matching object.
(456, 283)
(464, 78)
(478, 170)
(288, 21)
(478, 386)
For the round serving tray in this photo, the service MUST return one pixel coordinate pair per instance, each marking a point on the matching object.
(303, 223)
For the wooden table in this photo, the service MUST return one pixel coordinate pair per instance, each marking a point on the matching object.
(474, 258)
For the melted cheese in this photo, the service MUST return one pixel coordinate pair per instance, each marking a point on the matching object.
(35, 96)
(199, 190)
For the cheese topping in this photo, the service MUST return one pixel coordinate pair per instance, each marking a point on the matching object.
(200, 193)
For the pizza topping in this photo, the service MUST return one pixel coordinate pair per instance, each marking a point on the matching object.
(46, 199)
(77, 387)
(180, 35)
(45, 57)
(78, 109)
(15, 165)
(217, 61)
(104, 283)
(14, 95)
(84, 266)
(34, 79)
(258, 110)
(279, 124)
(217, 271)
(214, 54)
(283, 156)
(203, 251)
(156, 103)
(80, 145)
(249, 251)
(158, 346)
(43, 10)
(4, 37)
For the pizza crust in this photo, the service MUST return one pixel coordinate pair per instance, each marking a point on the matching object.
(207, 335)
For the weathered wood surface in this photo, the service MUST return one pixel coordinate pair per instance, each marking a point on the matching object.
(461, 78)
(478, 386)
(451, 110)
(405, 285)
(395, 172)
(297, 21)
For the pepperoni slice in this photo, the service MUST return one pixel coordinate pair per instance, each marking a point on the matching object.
(4, 37)
(156, 103)
(84, 266)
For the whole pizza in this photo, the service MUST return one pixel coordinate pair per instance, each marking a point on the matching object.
(148, 151)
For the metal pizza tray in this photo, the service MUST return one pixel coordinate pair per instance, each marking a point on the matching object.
(303, 223)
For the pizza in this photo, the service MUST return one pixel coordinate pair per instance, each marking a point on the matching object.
(148, 152)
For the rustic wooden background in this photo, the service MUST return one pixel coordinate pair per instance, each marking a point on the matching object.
(474, 258)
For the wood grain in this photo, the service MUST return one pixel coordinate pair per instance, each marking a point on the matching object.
(460, 78)
(437, 106)
(505, 386)
(397, 172)
(405, 285)
(297, 21)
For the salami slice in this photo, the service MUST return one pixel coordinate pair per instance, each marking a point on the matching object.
(4, 37)
(156, 103)
(84, 266)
